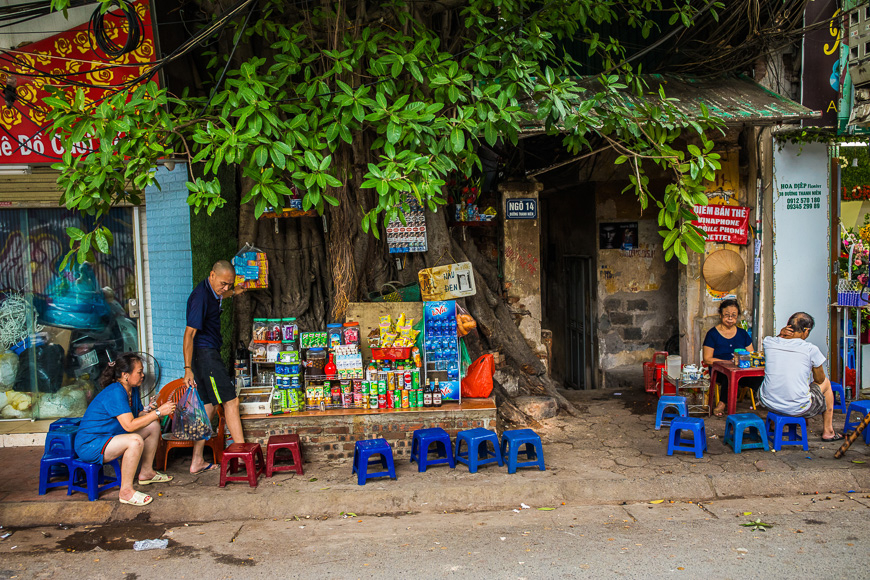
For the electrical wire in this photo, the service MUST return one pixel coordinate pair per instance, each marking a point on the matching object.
(99, 35)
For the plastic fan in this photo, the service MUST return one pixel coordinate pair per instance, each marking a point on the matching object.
(151, 367)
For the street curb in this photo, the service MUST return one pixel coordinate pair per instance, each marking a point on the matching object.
(387, 497)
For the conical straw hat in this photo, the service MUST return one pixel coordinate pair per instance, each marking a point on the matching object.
(724, 270)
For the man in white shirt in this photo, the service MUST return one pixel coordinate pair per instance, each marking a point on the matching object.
(794, 380)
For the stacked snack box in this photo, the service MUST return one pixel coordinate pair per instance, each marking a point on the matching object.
(252, 270)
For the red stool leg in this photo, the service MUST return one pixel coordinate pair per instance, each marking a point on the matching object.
(224, 467)
(297, 458)
(261, 469)
(270, 459)
(251, 469)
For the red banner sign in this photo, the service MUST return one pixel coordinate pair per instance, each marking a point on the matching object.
(65, 60)
(724, 223)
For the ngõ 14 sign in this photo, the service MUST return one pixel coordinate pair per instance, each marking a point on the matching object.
(67, 60)
(724, 223)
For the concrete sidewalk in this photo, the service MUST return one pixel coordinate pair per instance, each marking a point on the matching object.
(610, 454)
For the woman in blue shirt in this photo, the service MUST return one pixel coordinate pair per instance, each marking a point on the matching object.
(116, 425)
(721, 342)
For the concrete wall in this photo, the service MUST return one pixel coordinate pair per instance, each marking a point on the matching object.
(638, 300)
(169, 267)
(522, 268)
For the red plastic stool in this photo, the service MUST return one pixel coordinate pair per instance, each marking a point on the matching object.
(277, 442)
(251, 454)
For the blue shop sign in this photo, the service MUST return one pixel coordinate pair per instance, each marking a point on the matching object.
(522, 209)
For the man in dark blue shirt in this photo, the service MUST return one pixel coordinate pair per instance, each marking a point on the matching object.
(203, 366)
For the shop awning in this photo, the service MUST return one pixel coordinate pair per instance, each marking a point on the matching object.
(736, 100)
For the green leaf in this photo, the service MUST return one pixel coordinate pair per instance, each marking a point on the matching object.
(75, 233)
(101, 241)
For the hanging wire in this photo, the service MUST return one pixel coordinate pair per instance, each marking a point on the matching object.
(99, 35)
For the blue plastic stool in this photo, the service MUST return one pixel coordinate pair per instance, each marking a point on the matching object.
(698, 444)
(52, 467)
(423, 439)
(735, 427)
(512, 445)
(859, 408)
(678, 403)
(474, 456)
(838, 389)
(90, 478)
(782, 430)
(61, 441)
(362, 459)
(58, 423)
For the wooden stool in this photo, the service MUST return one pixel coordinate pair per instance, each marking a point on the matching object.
(278, 442)
(251, 454)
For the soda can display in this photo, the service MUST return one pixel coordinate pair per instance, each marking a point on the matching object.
(382, 387)
(364, 388)
(374, 400)
(415, 378)
(391, 381)
(419, 398)
(406, 399)
(397, 400)
(382, 401)
(407, 380)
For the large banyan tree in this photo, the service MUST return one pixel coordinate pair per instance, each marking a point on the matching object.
(353, 104)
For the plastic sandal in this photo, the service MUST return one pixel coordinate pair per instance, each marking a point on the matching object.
(139, 499)
(158, 478)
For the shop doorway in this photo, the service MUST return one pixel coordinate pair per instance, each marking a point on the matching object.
(578, 277)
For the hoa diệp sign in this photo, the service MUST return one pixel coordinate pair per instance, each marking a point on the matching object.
(65, 60)
(724, 223)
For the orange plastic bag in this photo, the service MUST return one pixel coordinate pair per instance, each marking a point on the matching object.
(478, 382)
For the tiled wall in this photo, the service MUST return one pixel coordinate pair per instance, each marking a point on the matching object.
(169, 267)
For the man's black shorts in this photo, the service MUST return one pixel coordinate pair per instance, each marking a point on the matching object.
(213, 382)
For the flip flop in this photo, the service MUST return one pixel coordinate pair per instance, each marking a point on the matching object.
(139, 499)
(158, 478)
(836, 437)
(209, 467)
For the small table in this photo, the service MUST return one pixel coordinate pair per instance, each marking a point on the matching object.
(702, 385)
(734, 374)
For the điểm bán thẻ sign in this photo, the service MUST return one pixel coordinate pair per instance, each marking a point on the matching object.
(447, 282)
(724, 223)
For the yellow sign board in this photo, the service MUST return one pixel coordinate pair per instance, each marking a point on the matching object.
(447, 282)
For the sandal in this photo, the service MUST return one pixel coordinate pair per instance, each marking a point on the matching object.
(139, 499)
(836, 437)
(158, 478)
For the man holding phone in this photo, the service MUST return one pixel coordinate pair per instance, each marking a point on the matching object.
(794, 380)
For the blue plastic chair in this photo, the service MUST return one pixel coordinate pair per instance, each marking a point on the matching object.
(362, 459)
(52, 467)
(91, 479)
(477, 452)
(735, 431)
(782, 430)
(63, 422)
(670, 401)
(422, 441)
(838, 389)
(698, 443)
(61, 441)
(861, 408)
(512, 443)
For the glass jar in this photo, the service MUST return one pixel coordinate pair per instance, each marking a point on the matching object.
(333, 334)
(350, 333)
(315, 361)
(289, 330)
(259, 330)
(273, 330)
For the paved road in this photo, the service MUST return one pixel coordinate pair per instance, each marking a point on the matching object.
(821, 536)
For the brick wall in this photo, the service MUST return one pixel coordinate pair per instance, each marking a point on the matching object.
(169, 267)
(333, 437)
